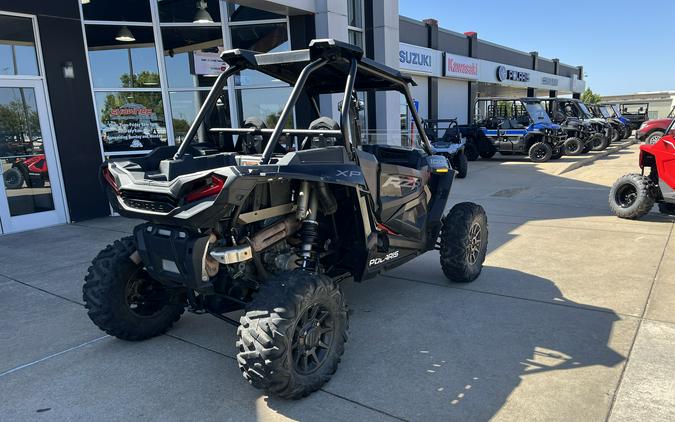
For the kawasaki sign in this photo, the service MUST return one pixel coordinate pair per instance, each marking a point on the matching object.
(460, 67)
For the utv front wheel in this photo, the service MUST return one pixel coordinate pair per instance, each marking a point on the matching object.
(632, 196)
(599, 142)
(460, 164)
(463, 242)
(540, 152)
(574, 146)
(123, 300)
(293, 334)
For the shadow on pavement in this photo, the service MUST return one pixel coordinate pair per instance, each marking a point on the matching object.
(428, 352)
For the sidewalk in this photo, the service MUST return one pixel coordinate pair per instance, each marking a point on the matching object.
(573, 318)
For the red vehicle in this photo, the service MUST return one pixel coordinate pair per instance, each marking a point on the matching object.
(634, 195)
(32, 170)
(652, 130)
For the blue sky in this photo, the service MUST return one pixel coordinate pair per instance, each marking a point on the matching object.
(624, 46)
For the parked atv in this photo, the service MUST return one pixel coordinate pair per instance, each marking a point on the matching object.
(615, 111)
(517, 126)
(273, 231)
(449, 143)
(637, 112)
(584, 133)
(618, 128)
(633, 195)
(32, 171)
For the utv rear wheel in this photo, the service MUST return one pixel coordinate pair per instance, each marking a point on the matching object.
(293, 334)
(471, 152)
(599, 142)
(13, 178)
(616, 135)
(654, 137)
(123, 300)
(540, 152)
(632, 196)
(463, 242)
(574, 146)
(460, 164)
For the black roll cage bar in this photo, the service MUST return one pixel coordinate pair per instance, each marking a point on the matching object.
(345, 127)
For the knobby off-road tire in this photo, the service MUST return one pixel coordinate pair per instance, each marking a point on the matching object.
(617, 135)
(123, 300)
(13, 178)
(574, 146)
(471, 152)
(461, 164)
(293, 334)
(463, 242)
(599, 142)
(556, 155)
(654, 137)
(632, 196)
(540, 152)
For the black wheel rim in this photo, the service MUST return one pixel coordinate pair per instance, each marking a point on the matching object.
(144, 296)
(11, 178)
(596, 142)
(626, 196)
(312, 339)
(539, 152)
(474, 243)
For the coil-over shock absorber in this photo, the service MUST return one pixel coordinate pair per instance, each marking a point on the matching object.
(307, 211)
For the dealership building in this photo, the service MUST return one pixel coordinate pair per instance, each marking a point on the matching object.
(86, 80)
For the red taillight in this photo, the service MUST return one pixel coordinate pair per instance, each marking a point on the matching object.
(110, 180)
(210, 189)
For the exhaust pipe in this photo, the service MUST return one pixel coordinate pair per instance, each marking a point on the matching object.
(259, 242)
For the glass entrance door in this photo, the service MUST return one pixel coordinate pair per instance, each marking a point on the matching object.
(30, 196)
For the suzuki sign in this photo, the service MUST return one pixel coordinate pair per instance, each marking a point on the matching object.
(416, 59)
(460, 67)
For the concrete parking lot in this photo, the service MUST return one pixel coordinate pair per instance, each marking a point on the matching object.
(573, 318)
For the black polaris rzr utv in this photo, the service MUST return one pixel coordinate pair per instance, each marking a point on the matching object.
(259, 225)
(584, 133)
(447, 140)
(516, 126)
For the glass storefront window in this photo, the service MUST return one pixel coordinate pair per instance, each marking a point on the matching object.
(263, 38)
(356, 38)
(131, 120)
(186, 104)
(17, 47)
(264, 103)
(122, 64)
(244, 13)
(117, 10)
(192, 56)
(22, 156)
(355, 13)
(189, 11)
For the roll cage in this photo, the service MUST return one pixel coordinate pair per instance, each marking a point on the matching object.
(326, 67)
(513, 110)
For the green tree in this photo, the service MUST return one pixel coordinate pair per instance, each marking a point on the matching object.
(590, 97)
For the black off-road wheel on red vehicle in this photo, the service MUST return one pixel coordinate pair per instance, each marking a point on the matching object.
(293, 334)
(13, 178)
(123, 300)
(599, 142)
(463, 242)
(471, 152)
(540, 152)
(574, 146)
(632, 196)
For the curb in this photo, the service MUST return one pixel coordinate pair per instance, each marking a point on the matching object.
(605, 153)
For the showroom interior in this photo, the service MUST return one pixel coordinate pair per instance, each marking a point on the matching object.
(88, 80)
